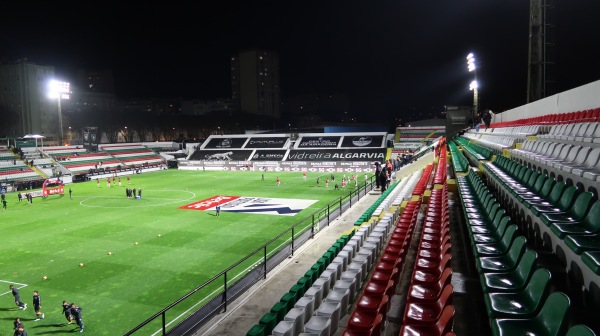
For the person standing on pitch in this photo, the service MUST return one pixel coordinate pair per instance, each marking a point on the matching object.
(15, 293)
(70, 193)
(37, 306)
(218, 209)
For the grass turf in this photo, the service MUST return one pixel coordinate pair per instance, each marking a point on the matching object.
(52, 236)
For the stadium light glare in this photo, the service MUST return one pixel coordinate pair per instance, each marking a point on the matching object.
(59, 90)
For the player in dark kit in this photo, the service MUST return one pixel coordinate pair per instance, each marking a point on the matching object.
(37, 306)
(67, 311)
(15, 293)
(76, 312)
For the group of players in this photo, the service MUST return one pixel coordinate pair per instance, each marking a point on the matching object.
(72, 312)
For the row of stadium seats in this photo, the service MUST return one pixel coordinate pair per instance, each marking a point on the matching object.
(553, 119)
(587, 132)
(564, 218)
(459, 161)
(563, 161)
(429, 310)
(372, 307)
(440, 172)
(475, 151)
(339, 273)
(517, 295)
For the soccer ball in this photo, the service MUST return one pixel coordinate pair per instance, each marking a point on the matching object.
(81, 264)
(159, 234)
(45, 277)
(109, 253)
(136, 243)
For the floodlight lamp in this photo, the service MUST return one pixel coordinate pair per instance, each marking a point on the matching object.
(471, 67)
(470, 56)
(57, 89)
(473, 85)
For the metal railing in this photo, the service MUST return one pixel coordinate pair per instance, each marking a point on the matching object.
(199, 306)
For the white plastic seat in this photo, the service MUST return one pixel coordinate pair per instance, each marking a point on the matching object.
(317, 293)
(307, 303)
(320, 325)
(341, 296)
(284, 328)
(351, 285)
(296, 315)
(325, 283)
(330, 310)
(330, 276)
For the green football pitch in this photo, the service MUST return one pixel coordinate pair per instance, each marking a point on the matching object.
(137, 256)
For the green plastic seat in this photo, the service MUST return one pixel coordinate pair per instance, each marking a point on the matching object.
(592, 260)
(313, 275)
(580, 330)
(521, 304)
(329, 257)
(574, 214)
(280, 309)
(289, 299)
(319, 266)
(491, 226)
(564, 203)
(500, 248)
(512, 281)
(552, 199)
(306, 282)
(269, 320)
(297, 290)
(589, 225)
(506, 262)
(582, 243)
(544, 193)
(535, 190)
(257, 330)
(493, 236)
(551, 320)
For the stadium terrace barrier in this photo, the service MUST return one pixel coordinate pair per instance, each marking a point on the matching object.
(212, 297)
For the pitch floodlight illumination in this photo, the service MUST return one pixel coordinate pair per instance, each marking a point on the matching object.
(59, 90)
(473, 85)
(470, 56)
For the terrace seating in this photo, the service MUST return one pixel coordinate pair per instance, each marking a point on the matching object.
(522, 304)
(442, 326)
(551, 320)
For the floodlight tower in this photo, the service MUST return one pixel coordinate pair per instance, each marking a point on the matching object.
(473, 86)
(59, 90)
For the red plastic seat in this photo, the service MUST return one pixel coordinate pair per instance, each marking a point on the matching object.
(376, 329)
(428, 312)
(440, 328)
(434, 275)
(420, 292)
(372, 303)
(434, 254)
(380, 288)
(384, 276)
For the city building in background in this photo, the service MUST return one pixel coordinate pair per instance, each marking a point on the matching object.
(255, 82)
(25, 107)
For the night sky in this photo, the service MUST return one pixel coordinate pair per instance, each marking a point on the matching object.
(403, 56)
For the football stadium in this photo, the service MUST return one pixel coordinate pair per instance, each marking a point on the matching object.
(479, 230)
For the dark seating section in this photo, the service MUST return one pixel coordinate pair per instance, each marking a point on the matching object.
(517, 294)
(559, 217)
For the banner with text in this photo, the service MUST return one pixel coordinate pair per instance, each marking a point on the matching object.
(363, 141)
(353, 154)
(225, 143)
(266, 142)
(319, 142)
